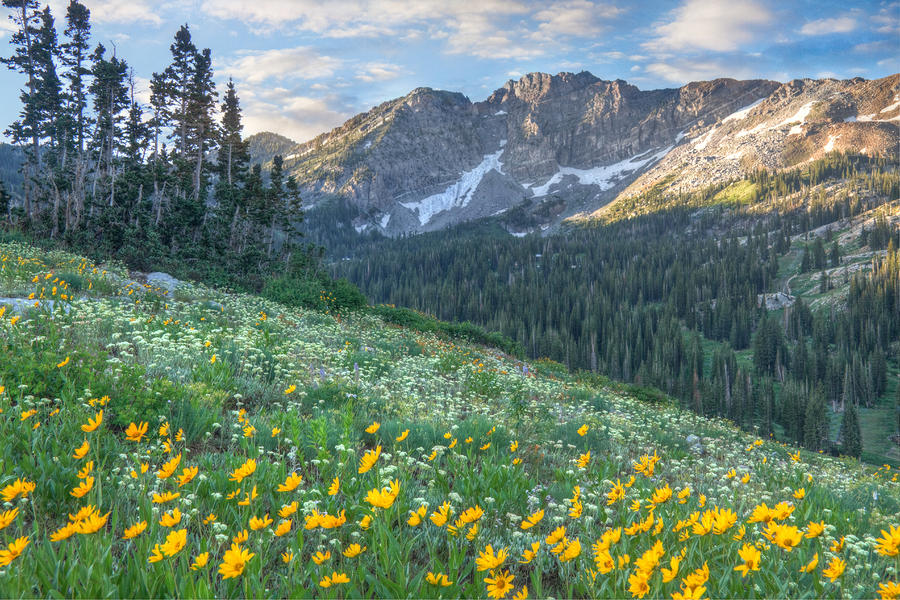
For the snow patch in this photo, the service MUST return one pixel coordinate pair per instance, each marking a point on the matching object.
(742, 113)
(850, 119)
(361, 228)
(800, 116)
(679, 137)
(871, 118)
(830, 145)
(385, 220)
(735, 155)
(604, 177)
(460, 193)
(703, 141)
(893, 106)
(518, 234)
(499, 113)
(290, 156)
(368, 144)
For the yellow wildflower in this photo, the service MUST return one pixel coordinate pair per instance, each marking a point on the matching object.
(234, 561)
(134, 433)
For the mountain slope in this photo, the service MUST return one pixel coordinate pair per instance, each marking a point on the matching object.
(282, 449)
(565, 144)
(265, 145)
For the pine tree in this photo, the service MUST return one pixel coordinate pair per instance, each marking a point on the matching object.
(51, 116)
(815, 422)
(111, 98)
(805, 262)
(234, 158)
(201, 109)
(74, 56)
(850, 434)
(26, 131)
(848, 393)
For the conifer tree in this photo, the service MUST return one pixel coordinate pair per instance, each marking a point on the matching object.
(850, 433)
(815, 422)
(25, 131)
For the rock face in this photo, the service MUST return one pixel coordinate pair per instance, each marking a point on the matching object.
(432, 158)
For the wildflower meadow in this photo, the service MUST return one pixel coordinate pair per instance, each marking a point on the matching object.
(194, 442)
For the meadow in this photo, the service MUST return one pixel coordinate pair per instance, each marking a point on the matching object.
(196, 443)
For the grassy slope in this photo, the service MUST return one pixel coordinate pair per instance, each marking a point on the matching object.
(216, 367)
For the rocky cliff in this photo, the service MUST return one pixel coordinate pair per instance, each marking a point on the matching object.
(434, 158)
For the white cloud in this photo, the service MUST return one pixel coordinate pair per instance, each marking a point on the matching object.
(719, 25)
(580, 18)
(257, 66)
(684, 70)
(7, 27)
(142, 90)
(115, 11)
(494, 29)
(887, 20)
(291, 114)
(477, 35)
(830, 25)
(883, 46)
(379, 71)
(353, 18)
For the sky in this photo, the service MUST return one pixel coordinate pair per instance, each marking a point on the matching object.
(302, 67)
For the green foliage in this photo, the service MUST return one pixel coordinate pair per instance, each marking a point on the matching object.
(851, 437)
(740, 192)
(648, 394)
(510, 453)
(412, 319)
(318, 292)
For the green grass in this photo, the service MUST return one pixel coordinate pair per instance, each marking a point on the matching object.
(740, 192)
(301, 391)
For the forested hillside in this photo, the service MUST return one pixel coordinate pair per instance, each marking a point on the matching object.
(672, 297)
(168, 185)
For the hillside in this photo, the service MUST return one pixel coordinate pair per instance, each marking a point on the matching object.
(693, 293)
(265, 145)
(274, 450)
(557, 146)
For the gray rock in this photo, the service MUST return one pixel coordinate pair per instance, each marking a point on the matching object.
(162, 280)
(21, 305)
(569, 144)
(692, 439)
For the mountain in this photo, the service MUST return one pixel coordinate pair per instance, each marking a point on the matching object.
(265, 145)
(560, 145)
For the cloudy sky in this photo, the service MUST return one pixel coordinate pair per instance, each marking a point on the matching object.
(304, 66)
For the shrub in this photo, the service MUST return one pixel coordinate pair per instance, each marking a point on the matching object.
(316, 292)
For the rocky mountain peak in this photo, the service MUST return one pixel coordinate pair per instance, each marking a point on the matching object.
(558, 145)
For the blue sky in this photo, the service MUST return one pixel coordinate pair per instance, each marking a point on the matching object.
(303, 66)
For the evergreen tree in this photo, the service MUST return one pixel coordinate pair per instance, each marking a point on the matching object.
(850, 433)
(25, 131)
(815, 422)
(109, 89)
(805, 262)
(819, 253)
(74, 57)
(835, 254)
